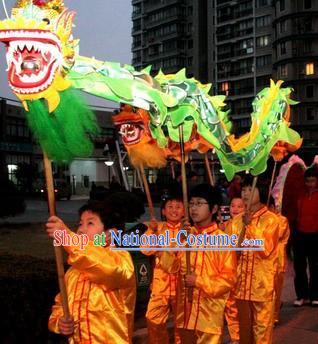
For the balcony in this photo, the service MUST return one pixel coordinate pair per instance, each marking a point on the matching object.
(245, 13)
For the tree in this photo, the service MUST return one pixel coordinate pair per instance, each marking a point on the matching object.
(26, 174)
(11, 200)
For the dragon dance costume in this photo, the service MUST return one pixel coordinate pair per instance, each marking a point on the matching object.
(101, 295)
(45, 69)
(215, 276)
(256, 278)
(163, 294)
(281, 262)
(231, 311)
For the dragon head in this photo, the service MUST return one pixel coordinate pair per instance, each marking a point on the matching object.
(142, 144)
(133, 125)
(40, 49)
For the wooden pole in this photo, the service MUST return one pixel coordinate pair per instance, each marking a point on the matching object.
(185, 202)
(173, 174)
(271, 184)
(208, 169)
(58, 250)
(148, 195)
(248, 208)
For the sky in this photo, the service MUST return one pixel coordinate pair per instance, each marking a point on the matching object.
(104, 30)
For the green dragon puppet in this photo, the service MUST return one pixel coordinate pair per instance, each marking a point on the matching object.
(44, 71)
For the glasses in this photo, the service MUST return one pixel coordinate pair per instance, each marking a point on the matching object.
(197, 204)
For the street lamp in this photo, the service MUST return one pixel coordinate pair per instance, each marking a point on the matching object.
(109, 163)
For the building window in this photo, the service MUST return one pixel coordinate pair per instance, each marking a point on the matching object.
(263, 21)
(244, 47)
(153, 50)
(190, 61)
(310, 69)
(307, 4)
(307, 46)
(283, 70)
(262, 41)
(283, 26)
(263, 60)
(225, 87)
(310, 116)
(136, 41)
(283, 48)
(282, 5)
(169, 45)
(190, 27)
(17, 127)
(308, 24)
(264, 3)
(262, 81)
(309, 91)
(136, 9)
(11, 172)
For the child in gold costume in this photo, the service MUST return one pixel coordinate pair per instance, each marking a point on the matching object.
(237, 207)
(284, 232)
(212, 274)
(163, 294)
(255, 295)
(100, 284)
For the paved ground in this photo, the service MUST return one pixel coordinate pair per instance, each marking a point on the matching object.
(297, 325)
(37, 211)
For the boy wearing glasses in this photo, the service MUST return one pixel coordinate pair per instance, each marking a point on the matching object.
(163, 293)
(212, 275)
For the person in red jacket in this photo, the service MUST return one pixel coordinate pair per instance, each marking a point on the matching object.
(305, 242)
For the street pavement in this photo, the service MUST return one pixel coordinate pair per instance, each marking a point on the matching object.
(296, 326)
(37, 211)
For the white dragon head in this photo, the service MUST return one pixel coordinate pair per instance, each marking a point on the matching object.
(40, 49)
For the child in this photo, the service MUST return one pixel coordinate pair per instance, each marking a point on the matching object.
(282, 258)
(237, 207)
(163, 295)
(100, 283)
(254, 294)
(212, 275)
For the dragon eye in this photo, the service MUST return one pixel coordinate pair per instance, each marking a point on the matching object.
(47, 20)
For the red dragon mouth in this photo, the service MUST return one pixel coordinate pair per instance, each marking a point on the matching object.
(131, 132)
(33, 56)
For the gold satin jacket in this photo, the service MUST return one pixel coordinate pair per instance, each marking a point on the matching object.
(216, 274)
(163, 283)
(228, 227)
(257, 269)
(101, 291)
(284, 233)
